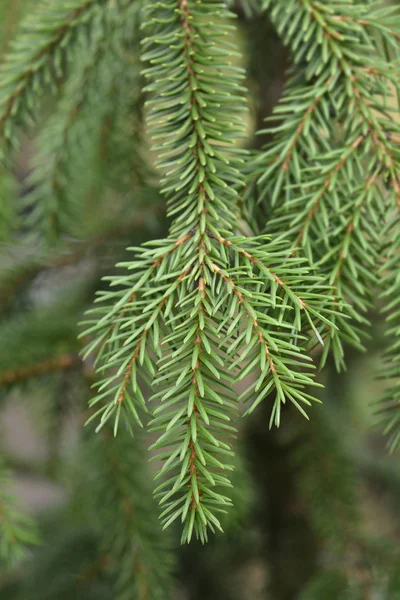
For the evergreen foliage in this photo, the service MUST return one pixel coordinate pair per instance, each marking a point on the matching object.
(18, 530)
(188, 294)
(140, 559)
(333, 147)
(37, 60)
(268, 269)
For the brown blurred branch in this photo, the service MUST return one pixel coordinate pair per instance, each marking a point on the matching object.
(65, 361)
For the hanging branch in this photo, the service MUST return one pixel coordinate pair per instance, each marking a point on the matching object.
(203, 308)
(334, 146)
(91, 103)
(139, 554)
(388, 406)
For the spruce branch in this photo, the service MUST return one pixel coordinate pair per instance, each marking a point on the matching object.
(333, 148)
(105, 84)
(48, 201)
(138, 554)
(328, 480)
(202, 296)
(388, 406)
(367, 110)
(39, 57)
(17, 530)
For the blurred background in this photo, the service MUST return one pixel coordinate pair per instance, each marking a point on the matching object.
(316, 504)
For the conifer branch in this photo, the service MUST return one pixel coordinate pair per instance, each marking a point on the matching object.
(78, 124)
(341, 100)
(39, 57)
(139, 560)
(388, 406)
(48, 200)
(202, 295)
(17, 530)
(326, 472)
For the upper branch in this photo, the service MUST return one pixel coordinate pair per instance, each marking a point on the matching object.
(37, 58)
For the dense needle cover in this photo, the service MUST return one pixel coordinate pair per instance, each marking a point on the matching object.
(203, 309)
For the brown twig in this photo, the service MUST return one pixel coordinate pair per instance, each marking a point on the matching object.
(59, 363)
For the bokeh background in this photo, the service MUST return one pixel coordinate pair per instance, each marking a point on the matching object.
(317, 504)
